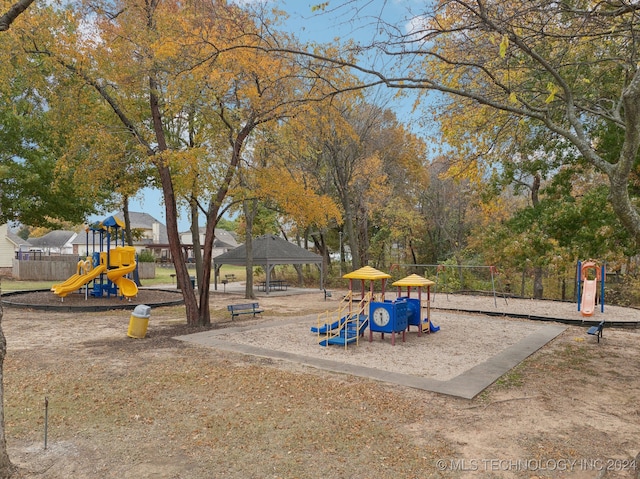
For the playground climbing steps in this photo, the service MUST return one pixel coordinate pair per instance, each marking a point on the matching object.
(350, 330)
(353, 320)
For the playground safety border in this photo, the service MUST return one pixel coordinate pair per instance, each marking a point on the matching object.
(117, 304)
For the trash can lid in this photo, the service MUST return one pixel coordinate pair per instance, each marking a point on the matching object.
(142, 311)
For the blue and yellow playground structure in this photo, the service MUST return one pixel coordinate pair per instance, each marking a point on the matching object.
(348, 323)
(106, 269)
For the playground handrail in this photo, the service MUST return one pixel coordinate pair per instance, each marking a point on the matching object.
(350, 316)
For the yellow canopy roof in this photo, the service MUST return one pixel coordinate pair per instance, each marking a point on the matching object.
(367, 272)
(414, 280)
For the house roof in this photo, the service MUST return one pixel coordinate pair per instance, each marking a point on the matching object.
(145, 221)
(53, 239)
(138, 221)
(224, 239)
(16, 240)
(269, 250)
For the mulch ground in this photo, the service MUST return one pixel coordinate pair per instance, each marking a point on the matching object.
(48, 300)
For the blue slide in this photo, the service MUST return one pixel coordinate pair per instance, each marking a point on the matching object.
(433, 328)
(328, 327)
(348, 334)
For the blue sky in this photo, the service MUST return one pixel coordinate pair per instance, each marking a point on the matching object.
(342, 18)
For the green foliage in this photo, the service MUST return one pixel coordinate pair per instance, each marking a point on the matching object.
(265, 222)
(146, 256)
(24, 232)
(32, 139)
(228, 224)
(512, 379)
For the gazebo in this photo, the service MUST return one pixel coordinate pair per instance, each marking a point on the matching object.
(268, 252)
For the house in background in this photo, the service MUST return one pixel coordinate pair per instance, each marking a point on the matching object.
(224, 241)
(152, 236)
(54, 243)
(10, 243)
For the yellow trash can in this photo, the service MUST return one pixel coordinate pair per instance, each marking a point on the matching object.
(139, 321)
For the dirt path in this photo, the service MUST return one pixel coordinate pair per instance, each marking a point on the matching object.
(161, 408)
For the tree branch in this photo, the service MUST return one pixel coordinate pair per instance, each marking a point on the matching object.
(16, 9)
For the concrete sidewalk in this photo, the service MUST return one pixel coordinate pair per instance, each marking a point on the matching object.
(466, 385)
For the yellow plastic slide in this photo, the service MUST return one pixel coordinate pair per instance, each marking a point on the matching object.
(127, 287)
(77, 281)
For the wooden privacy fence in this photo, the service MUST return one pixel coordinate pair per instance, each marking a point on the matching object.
(59, 268)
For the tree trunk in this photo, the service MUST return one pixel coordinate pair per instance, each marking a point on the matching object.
(298, 267)
(182, 273)
(128, 234)
(363, 237)
(538, 288)
(6, 468)
(353, 241)
(249, 215)
(195, 235)
(537, 283)
(127, 220)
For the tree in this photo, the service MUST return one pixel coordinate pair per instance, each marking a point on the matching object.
(343, 152)
(156, 63)
(34, 191)
(6, 467)
(14, 12)
(567, 67)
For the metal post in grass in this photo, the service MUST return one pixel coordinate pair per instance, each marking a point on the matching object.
(46, 420)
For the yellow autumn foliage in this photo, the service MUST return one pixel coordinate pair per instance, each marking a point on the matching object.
(295, 197)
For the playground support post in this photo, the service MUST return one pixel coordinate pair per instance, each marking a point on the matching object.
(602, 278)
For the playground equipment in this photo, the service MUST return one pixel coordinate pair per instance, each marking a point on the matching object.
(114, 263)
(349, 328)
(388, 317)
(353, 315)
(374, 311)
(414, 306)
(85, 275)
(589, 275)
(122, 262)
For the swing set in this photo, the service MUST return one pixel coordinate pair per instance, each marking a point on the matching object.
(445, 275)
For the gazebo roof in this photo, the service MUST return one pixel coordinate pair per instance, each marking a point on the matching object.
(367, 273)
(269, 250)
(414, 280)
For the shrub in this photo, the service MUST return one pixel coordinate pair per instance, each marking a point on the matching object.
(146, 256)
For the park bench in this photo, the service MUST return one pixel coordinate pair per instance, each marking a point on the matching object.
(230, 277)
(596, 330)
(246, 308)
(327, 294)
